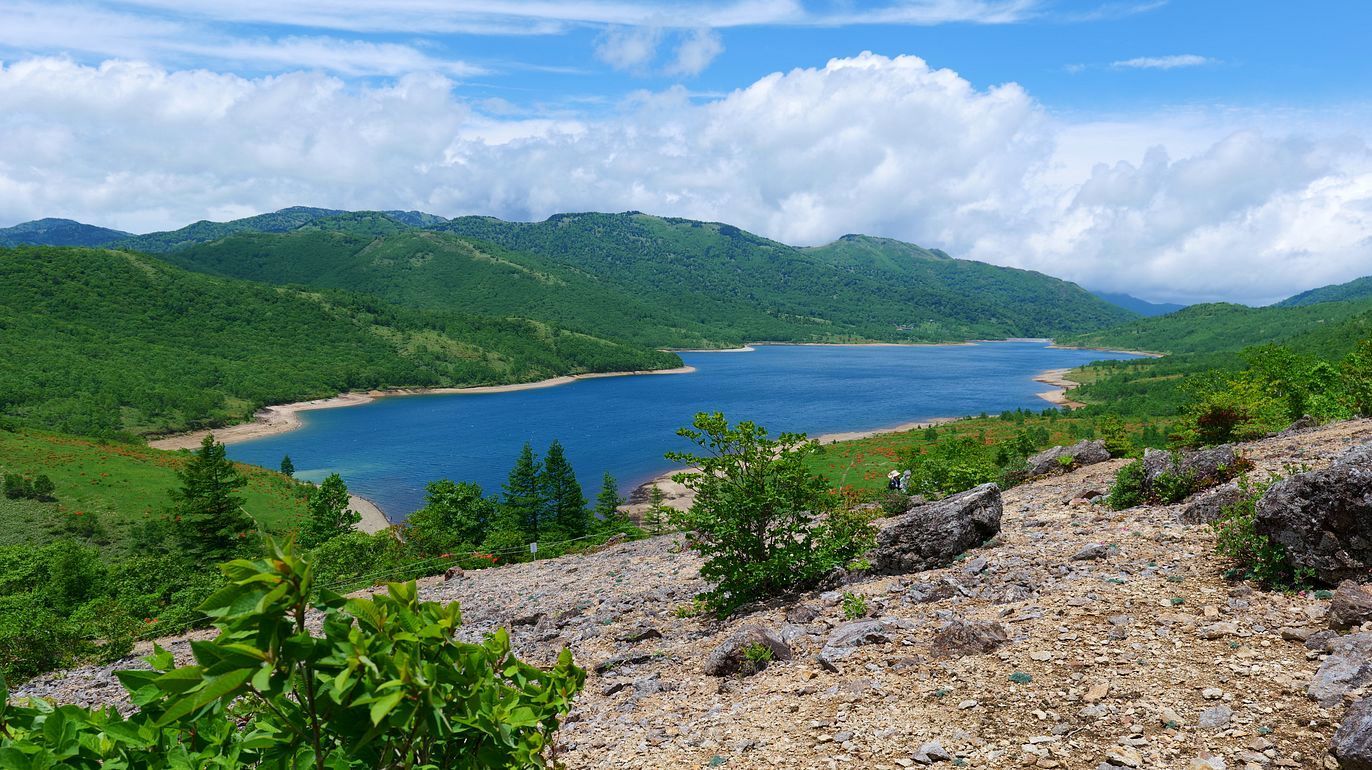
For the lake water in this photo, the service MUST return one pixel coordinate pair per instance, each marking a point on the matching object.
(389, 449)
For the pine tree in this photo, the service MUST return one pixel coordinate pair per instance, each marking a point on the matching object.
(656, 512)
(607, 503)
(524, 494)
(566, 505)
(328, 515)
(210, 523)
(287, 467)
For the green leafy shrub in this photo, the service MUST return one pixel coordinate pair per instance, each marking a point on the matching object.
(756, 656)
(1255, 556)
(854, 606)
(763, 523)
(894, 502)
(950, 466)
(1168, 488)
(386, 685)
(1128, 489)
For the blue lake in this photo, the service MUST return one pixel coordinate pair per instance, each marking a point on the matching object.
(389, 449)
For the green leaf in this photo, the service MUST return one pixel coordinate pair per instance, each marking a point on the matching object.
(384, 706)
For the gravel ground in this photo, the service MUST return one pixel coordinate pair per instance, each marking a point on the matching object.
(1143, 657)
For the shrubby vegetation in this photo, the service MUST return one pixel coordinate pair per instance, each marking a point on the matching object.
(85, 596)
(386, 685)
(1255, 556)
(763, 523)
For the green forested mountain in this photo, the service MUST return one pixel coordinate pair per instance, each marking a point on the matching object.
(661, 282)
(764, 290)
(1326, 328)
(1358, 288)
(205, 231)
(58, 232)
(442, 272)
(102, 342)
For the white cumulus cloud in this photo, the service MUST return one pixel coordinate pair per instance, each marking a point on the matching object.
(1187, 208)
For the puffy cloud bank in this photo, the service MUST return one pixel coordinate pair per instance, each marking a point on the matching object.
(886, 146)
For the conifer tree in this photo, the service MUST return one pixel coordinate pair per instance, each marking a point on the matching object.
(287, 467)
(607, 503)
(328, 515)
(524, 494)
(566, 505)
(210, 523)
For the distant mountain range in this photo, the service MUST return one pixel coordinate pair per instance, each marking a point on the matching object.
(58, 232)
(1141, 306)
(650, 280)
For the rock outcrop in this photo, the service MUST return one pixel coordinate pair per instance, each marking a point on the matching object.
(1351, 606)
(1207, 506)
(1324, 518)
(1202, 468)
(1080, 454)
(932, 535)
(730, 657)
(1352, 744)
(960, 638)
(1348, 667)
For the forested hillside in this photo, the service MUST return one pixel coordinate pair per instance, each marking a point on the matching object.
(869, 287)
(1358, 288)
(99, 342)
(1324, 328)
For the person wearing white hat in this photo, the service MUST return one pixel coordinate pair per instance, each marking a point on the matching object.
(893, 480)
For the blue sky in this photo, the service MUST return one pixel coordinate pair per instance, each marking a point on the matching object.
(1160, 147)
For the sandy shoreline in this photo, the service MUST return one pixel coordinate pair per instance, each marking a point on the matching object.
(1058, 395)
(373, 518)
(281, 418)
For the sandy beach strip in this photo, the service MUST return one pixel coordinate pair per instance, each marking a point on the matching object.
(373, 518)
(1058, 395)
(281, 418)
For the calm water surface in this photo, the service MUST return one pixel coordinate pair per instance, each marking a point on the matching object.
(389, 449)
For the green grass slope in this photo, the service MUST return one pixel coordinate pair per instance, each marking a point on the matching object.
(752, 288)
(100, 342)
(1356, 289)
(103, 489)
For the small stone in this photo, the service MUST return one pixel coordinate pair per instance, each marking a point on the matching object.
(931, 752)
(1091, 552)
(970, 703)
(1215, 717)
(1218, 630)
(1096, 692)
(1212, 693)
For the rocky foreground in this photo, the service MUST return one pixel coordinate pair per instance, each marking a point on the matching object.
(1078, 638)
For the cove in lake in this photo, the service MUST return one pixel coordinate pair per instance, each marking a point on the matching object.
(389, 449)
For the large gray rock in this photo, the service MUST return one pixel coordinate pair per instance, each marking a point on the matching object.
(1080, 453)
(1352, 744)
(1324, 518)
(729, 657)
(1348, 667)
(1204, 467)
(1351, 606)
(1207, 506)
(1208, 467)
(960, 638)
(845, 639)
(933, 535)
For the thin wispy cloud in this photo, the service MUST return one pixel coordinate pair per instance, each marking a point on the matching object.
(1177, 61)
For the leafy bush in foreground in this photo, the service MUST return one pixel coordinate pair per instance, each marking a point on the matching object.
(1254, 555)
(387, 685)
(763, 523)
